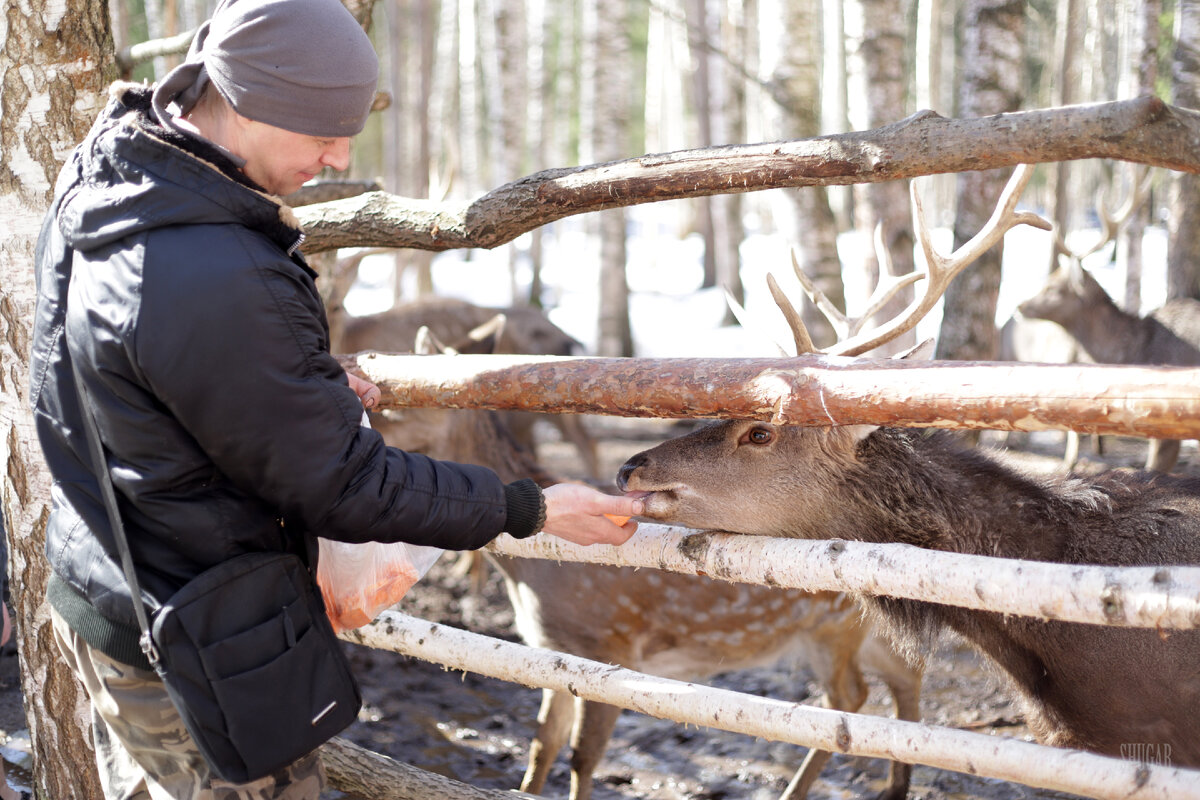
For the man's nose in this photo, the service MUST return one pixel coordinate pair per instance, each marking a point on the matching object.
(337, 155)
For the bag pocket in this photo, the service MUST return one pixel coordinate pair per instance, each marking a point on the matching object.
(257, 646)
(251, 662)
(303, 702)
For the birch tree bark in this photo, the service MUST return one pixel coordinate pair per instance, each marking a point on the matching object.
(49, 101)
(1143, 69)
(701, 85)
(885, 65)
(1069, 31)
(796, 86)
(992, 61)
(1183, 248)
(613, 91)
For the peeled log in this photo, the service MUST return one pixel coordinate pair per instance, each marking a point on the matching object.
(859, 734)
(1150, 402)
(1147, 597)
(365, 773)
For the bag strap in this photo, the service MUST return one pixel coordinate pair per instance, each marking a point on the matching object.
(114, 517)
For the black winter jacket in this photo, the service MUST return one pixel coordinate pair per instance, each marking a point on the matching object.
(228, 427)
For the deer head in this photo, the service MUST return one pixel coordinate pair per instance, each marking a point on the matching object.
(721, 461)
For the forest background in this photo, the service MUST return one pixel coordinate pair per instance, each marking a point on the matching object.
(483, 92)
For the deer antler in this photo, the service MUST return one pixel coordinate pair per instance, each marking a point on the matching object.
(941, 271)
(1111, 223)
(885, 289)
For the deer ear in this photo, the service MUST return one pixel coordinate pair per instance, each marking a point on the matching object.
(922, 351)
(483, 339)
(859, 432)
(1076, 275)
(427, 343)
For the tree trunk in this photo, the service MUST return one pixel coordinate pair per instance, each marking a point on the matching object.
(992, 58)
(797, 88)
(809, 390)
(699, 43)
(1144, 49)
(612, 91)
(740, 19)
(1145, 130)
(885, 60)
(1183, 249)
(1066, 55)
(49, 100)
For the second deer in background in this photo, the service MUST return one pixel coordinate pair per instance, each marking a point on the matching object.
(1168, 336)
(526, 330)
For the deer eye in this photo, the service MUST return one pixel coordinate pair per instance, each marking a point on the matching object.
(758, 436)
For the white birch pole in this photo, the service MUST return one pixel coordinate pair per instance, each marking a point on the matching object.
(858, 734)
(1148, 597)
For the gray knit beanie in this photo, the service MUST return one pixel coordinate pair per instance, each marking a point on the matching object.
(302, 65)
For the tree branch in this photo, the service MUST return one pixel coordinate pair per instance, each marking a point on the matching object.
(1144, 130)
(1153, 402)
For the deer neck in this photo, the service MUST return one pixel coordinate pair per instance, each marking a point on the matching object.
(922, 488)
(1108, 334)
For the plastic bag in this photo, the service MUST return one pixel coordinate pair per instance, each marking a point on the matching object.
(358, 580)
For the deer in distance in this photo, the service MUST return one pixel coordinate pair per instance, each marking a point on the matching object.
(1074, 300)
(1092, 687)
(1168, 336)
(525, 330)
(667, 624)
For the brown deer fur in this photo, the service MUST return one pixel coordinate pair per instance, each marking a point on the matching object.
(1087, 686)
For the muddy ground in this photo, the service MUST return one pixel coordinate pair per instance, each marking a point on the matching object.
(477, 729)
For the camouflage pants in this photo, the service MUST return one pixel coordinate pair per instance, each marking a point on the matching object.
(142, 748)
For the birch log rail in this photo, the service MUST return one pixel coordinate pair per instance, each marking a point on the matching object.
(990, 756)
(1143, 130)
(1150, 597)
(1151, 402)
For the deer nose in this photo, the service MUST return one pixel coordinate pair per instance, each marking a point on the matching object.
(627, 469)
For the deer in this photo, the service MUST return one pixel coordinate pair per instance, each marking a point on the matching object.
(1107, 334)
(1092, 687)
(1074, 301)
(525, 330)
(667, 624)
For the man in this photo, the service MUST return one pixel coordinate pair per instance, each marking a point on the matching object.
(169, 276)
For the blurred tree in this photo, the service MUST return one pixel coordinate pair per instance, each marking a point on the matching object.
(1069, 29)
(1183, 249)
(608, 25)
(700, 43)
(1141, 75)
(992, 59)
(737, 43)
(796, 86)
(886, 65)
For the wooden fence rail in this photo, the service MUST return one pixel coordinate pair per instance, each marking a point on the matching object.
(1153, 402)
(858, 734)
(1151, 597)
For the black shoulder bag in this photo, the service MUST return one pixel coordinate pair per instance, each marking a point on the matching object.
(246, 652)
